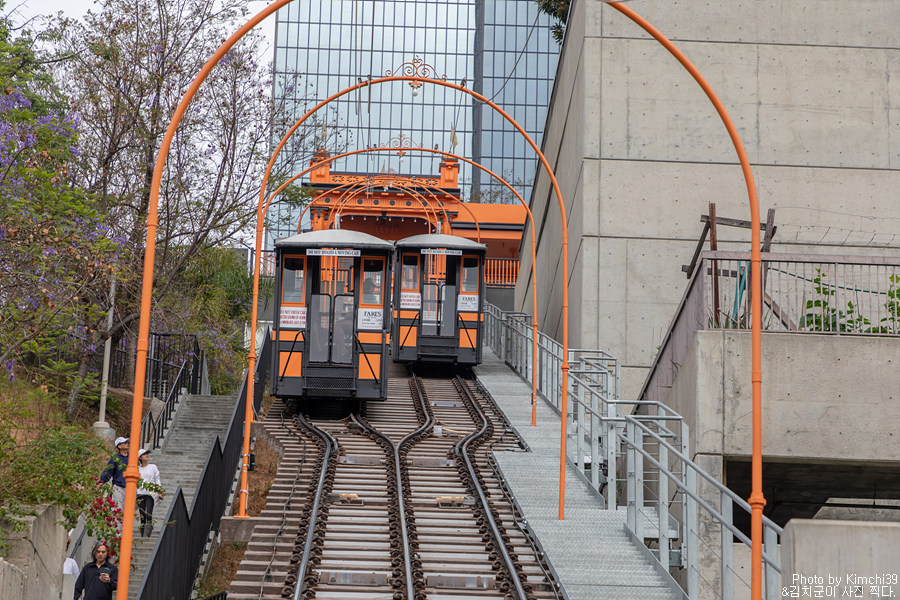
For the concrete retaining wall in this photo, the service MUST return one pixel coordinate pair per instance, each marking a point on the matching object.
(826, 397)
(846, 554)
(33, 566)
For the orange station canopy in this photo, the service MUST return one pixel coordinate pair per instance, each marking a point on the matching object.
(501, 227)
(393, 206)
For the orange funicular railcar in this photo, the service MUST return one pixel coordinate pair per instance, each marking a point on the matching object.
(332, 315)
(438, 300)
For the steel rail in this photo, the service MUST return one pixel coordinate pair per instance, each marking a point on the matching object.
(461, 449)
(330, 447)
(404, 527)
(428, 424)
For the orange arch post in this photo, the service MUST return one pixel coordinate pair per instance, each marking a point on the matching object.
(131, 471)
(757, 501)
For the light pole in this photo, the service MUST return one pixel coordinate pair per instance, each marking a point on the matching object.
(757, 501)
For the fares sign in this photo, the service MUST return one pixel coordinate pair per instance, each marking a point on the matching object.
(292, 317)
(370, 318)
(467, 303)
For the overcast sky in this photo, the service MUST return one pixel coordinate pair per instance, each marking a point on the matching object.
(26, 9)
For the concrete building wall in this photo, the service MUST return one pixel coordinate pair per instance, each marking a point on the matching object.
(814, 90)
(846, 554)
(827, 398)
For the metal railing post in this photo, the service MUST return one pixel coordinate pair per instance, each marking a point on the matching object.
(638, 442)
(630, 477)
(770, 547)
(612, 442)
(596, 459)
(663, 508)
(690, 535)
(727, 547)
(579, 424)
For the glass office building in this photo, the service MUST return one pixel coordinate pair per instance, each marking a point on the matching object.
(502, 49)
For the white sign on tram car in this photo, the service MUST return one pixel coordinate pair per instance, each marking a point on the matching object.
(442, 251)
(331, 252)
(467, 303)
(410, 300)
(370, 318)
(292, 317)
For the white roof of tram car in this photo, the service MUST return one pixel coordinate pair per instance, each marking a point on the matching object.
(335, 238)
(440, 240)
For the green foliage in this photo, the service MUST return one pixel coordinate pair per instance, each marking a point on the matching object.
(559, 10)
(213, 296)
(55, 247)
(821, 315)
(44, 460)
(891, 322)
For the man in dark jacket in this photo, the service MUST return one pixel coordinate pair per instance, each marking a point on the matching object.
(115, 471)
(99, 578)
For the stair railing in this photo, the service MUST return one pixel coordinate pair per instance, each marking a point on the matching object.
(635, 455)
(152, 430)
(176, 557)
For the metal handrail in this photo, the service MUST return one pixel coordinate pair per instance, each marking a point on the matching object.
(153, 429)
(607, 437)
(179, 548)
(773, 561)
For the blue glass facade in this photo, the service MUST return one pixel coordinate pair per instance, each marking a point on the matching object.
(324, 46)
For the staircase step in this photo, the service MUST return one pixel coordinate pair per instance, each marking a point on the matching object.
(191, 433)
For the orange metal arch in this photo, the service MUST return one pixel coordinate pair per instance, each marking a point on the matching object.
(757, 501)
(534, 321)
(354, 186)
(345, 198)
(132, 474)
(563, 226)
(433, 195)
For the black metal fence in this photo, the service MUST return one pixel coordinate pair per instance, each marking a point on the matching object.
(176, 557)
(166, 353)
(153, 426)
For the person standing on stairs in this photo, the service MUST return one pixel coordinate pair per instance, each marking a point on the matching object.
(149, 489)
(99, 578)
(115, 471)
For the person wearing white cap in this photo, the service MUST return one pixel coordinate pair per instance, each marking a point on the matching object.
(115, 471)
(146, 498)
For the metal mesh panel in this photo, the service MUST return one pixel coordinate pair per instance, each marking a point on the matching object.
(330, 383)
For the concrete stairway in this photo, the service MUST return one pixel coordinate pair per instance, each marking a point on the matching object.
(590, 550)
(197, 422)
(264, 548)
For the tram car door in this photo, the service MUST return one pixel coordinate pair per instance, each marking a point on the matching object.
(438, 314)
(331, 315)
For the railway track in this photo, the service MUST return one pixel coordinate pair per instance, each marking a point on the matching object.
(403, 503)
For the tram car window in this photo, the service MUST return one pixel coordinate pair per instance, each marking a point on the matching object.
(332, 315)
(438, 305)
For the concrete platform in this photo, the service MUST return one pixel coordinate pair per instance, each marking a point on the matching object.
(590, 550)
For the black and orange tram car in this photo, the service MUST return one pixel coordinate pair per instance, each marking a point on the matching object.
(332, 315)
(438, 300)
